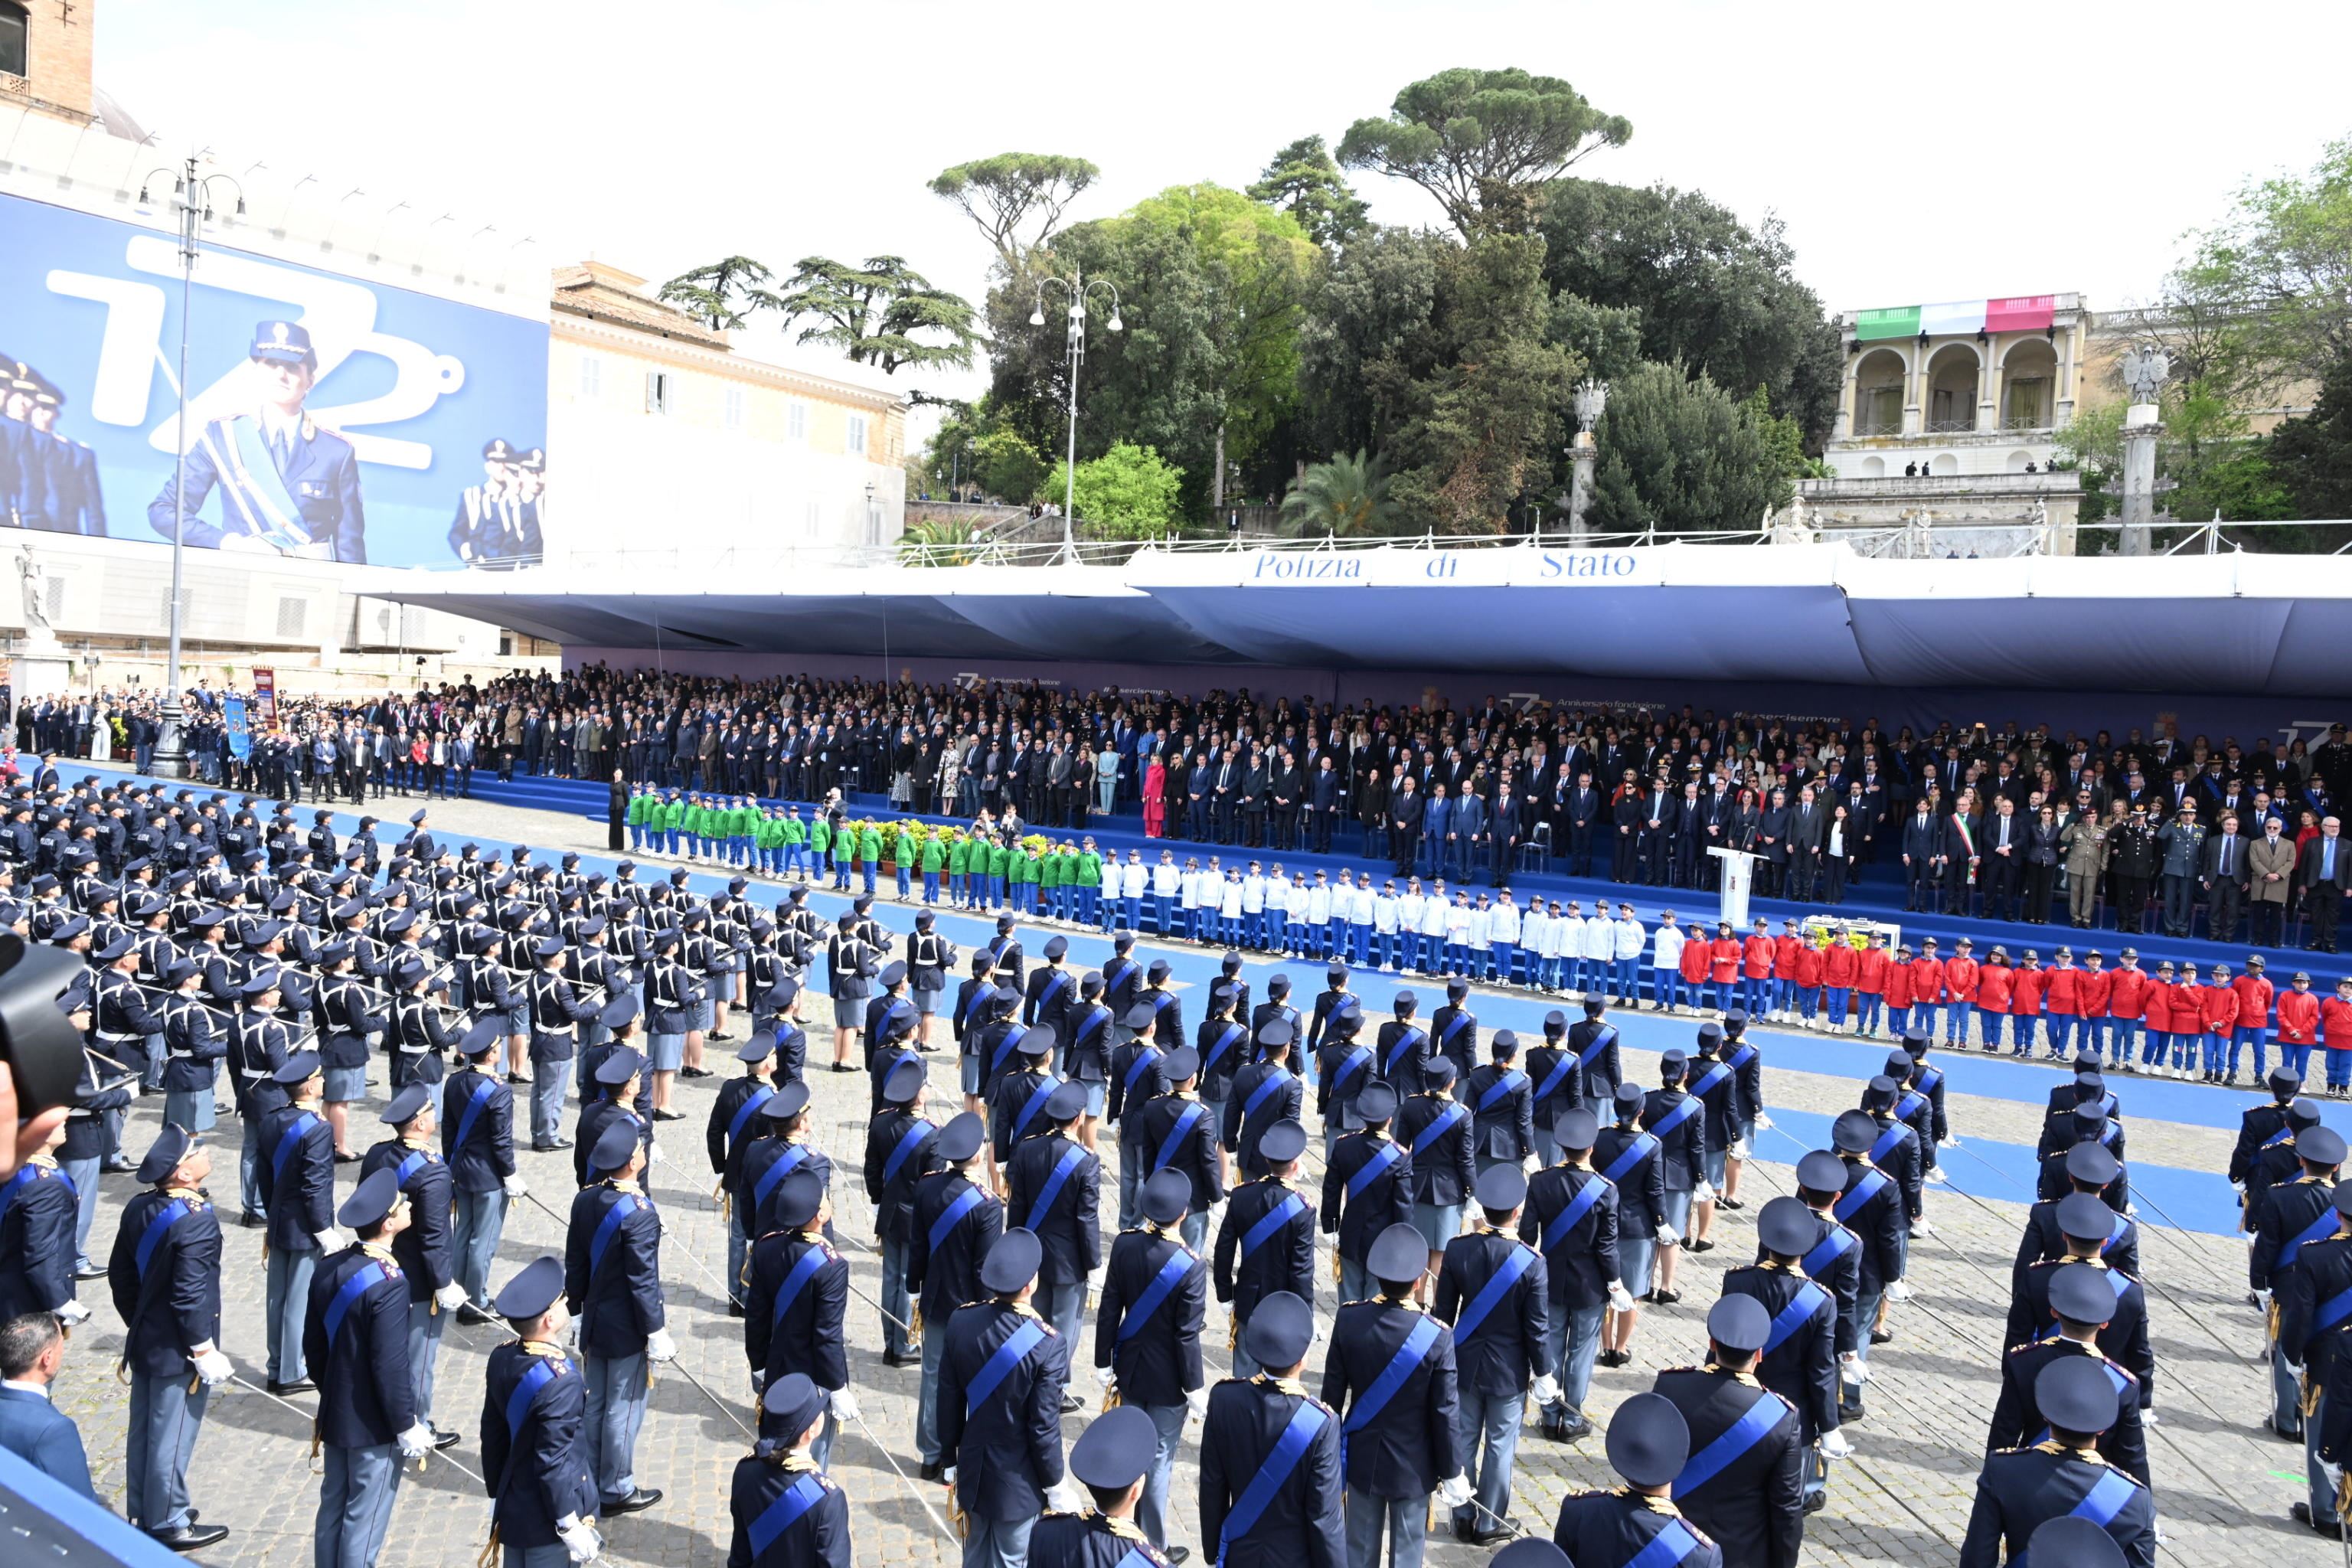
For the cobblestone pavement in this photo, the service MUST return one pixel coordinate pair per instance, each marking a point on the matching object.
(2223, 1484)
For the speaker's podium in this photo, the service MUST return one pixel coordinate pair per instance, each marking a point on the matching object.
(1739, 873)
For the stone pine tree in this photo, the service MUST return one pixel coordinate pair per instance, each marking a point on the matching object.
(1483, 143)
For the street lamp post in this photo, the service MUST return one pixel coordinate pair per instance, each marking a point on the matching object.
(192, 193)
(1076, 287)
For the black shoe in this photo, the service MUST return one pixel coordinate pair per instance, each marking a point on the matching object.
(1463, 1533)
(636, 1502)
(2300, 1513)
(189, 1537)
(842, 1066)
(118, 1166)
(89, 1271)
(343, 1158)
(555, 1144)
(1666, 1298)
(1492, 1533)
(1816, 1501)
(2271, 1425)
(698, 1072)
(661, 1115)
(1881, 1337)
(734, 1308)
(932, 1472)
(1072, 1404)
(1853, 1412)
(1700, 1245)
(1176, 1553)
(444, 1439)
(300, 1385)
(1733, 1204)
(250, 1219)
(471, 1315)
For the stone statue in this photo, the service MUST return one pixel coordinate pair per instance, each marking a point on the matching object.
(34, 581)
(2144, 370)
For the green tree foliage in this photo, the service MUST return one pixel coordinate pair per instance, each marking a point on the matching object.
(1368, 337)
(2282, 262)
(1679, 454)
(722, 294)
(2311, 456)
(1015, 199)
(940, 542)
(1346, 496)
(1705, 289)
(1482, 142)
(874, 312)
(1305, 181)
(974, 448)
(1128, 492)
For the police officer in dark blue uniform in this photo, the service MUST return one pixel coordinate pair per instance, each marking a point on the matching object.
(1054, 1187)
(1016, 1104)
(1572, 1218)
(1403, 1048)
(999, 1407)
(164, 1277)
(477, 1142)
(900, 1146)
(1344, 1069)
(423, 1245)
(1267, 1242)
(1178, 1132)
(2082, 1301)
(2089, 1169)
(1367, 1188)
(796, 1300)
(38, 1207)
(2081, 1225)
(956, 1221)
(1456, 1029)
(1109, 1459)
(1494, 1293)
(1649, 1444)
(355, 1336)
(1677, 1119)
(1271, 1491)
(1436, 1126)
(538, 1456)
(2290, 1215)
(611, 1285)
(782, 1148)
(1871, 1207)
(2315, 1313)
(1390, 1374)
(787, 1512)
(1741, 1485)
(1264, 1092)
(1148, 1331)
(2061, 1475)
(1799, 1358)
(301, 1165)
(732, 1122)
(1502, 1106)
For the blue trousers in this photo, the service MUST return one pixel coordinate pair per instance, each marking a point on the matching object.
(1152, 1508)
(2258, 1038)
(425, 1327)
(1575, 1334)
(997, 1542)
(249, 1167)
(895, 1300)
(355, 1505)
(289, 1287)
(474, 1233)
(1405, 1520)
(1868, 1007)
(1487, 1429)
(83, 1173)
(165, 1420)
(1866, 1314)
(616, 1409)
(546, 1101)
(2286, 1396)
(1064, 1306)
(927, 1409)
(551, 1555)
(2323, 1496)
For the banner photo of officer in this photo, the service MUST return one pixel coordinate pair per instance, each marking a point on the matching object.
(330, 419)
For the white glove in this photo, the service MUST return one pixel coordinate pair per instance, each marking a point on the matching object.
(759, 1386)
(1953, 1142)
(328, 1240)
(1666, 1234)
(948, 1475)
(1619, 1299)
(1935, 1175)
(1454, 1492)
(1921, 1228)
(579, 1538)
(1836, 1446)
(2148, 1417)
(1106, 1377)
(1739, 1149)
(450, 1297)
(1898, 1291)
(1197, 1401)
(1854, 1369)
(515, 1189)
(1704, 1193)
(844, 1405)
(1063, 1497)
(659, 1346)
(2262, 1299)
(1547, 1391)
(72, 1313)
(213, 1366)
(2239, 1188)
(2335, 1474)
(1762, 1119)
(1530, 1164)
(416, 1441)
(2294, 1371)
(1094, 1288)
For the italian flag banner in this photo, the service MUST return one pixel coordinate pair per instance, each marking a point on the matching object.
(2019, 313)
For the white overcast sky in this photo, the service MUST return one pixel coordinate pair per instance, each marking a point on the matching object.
(1917, 153)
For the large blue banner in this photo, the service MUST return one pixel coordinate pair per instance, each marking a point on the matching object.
(329, 418)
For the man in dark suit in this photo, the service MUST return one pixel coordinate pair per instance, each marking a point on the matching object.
(32, 1349)
(2323, 874)
(1581, 809)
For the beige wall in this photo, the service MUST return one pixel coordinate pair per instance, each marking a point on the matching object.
(58, 42)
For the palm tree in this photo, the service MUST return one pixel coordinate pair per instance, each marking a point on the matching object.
(1346, 496)
(940, 542)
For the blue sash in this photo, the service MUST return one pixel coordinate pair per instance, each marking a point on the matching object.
(1003, 1362)
(167, 1216)
(1384, 1156)
(1013, 1036)
(1632, 1155)
(538, 1376)
(1556, 1231)
(607, 1228)
(1873, 1182)
(1277, 1079)
(1359, 1058)
(1306, 1422)
(2114, 1234)
(1391, 1382)
(979, 993)
(1036, 1102)
(415, 1160)
(1666, 1548)
(803, 1269)
(1186, 1119)
(20, 1180)
(1145, 1061)
(1682, 1110)
(965, 1202)
(1490, 1295)
(1742, 1434)
(786, 1164)
(1704, 1084)
(1741, 1057)
(1828, 1250)
(1444, 1121)
(2318, 1229)
(1910, 1105)
(1291, 1207)
(2329, 1313)
(362, 1279)
(1068, 1162)
(1887, 1142)
(2284, 1135)
(1454, 1027)
(1178, 1264)
(749, 1108)
(1795, 1315)
(294, 1132)
(1096, 1020)
(476, 1098)
(785, 1513)
(2107, 1500)
(1224, 1043)
(1554, 1078)
(1502, 1089)
(1597, 1044)
(909, 1142)
(1410, 1041)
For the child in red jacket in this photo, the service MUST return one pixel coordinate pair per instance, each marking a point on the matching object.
(2166, 1002)
(1898, 993)
(2216, 1009)
(2025, 1002)
(1996, 984)
(1870, 984)
(1841, 964)
(2335, 1033)
(2253, 1027)
(1808, 977)
(2299, 1026)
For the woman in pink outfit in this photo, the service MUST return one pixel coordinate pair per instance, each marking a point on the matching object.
(1155, 804)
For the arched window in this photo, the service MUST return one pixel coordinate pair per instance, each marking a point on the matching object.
(13, 51)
